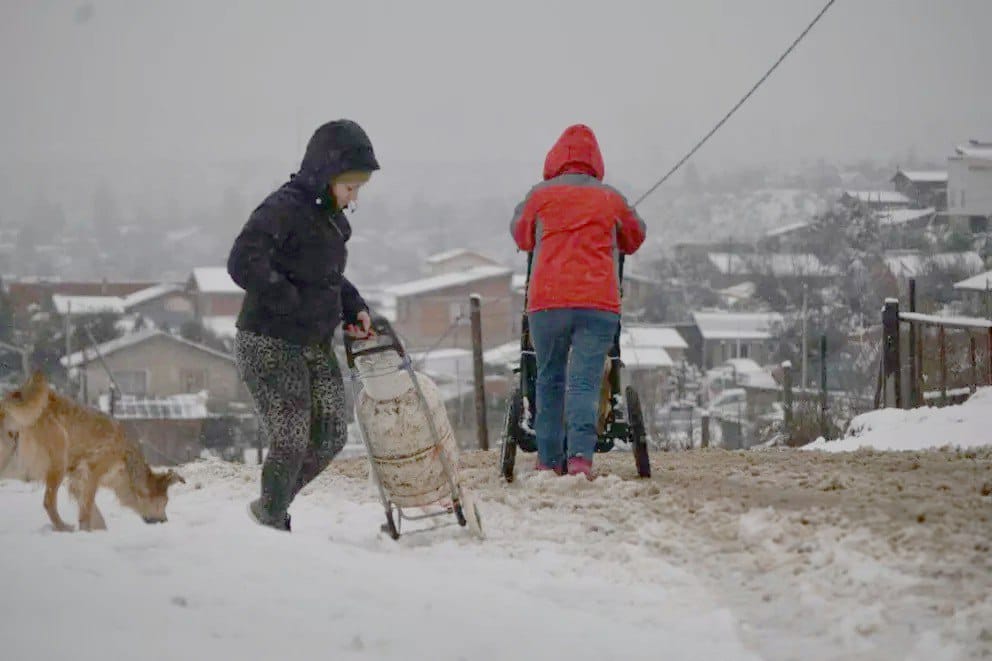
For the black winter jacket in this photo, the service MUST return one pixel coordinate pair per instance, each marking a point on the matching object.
(291, 254)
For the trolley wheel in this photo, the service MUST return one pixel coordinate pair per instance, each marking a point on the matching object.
(638, 436)
(460, 515)
(389, 526)
(511, 431)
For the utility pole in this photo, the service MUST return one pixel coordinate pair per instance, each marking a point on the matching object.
(802, 350)
(68, 345)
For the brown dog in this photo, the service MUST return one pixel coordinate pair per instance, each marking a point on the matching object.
(56, 438)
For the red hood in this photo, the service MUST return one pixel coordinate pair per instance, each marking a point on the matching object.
(575, 151)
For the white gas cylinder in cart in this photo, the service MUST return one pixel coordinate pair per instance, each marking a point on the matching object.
(404, 449)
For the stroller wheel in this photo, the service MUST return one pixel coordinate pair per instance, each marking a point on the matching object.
(638, 435)
(511, 431)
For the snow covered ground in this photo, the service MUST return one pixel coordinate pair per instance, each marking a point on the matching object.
(965, 425)
(209, 584)
(772, 554)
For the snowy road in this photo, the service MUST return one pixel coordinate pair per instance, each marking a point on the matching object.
(775, 555)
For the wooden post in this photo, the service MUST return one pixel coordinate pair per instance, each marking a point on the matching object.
(475, 304)
(989, 356)
(919, 362)
(974, 362)
(880, 385)
(787, 397)
(943, 366)
(890, 329)
(705, 424)
(914, 393)
(823, 386)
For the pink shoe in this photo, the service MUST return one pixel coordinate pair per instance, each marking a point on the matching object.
(580, 466)
(538, 467)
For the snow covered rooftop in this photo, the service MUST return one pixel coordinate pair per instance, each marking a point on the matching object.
(779, 265)
(150, 293)
(447, 280)
(736, 325)
(738, 292)
(652, 336)
(906, 264)
(634, 356)
(177, 407)
(787, 229)
(83, 357)
(87, 304)
(901, 216)
(504, 354)
(981, 282)
(214, 280)
(975, 149)
(440, 257)
(878, 196)
(924, 176)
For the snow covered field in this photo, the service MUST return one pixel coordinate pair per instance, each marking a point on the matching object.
(774, 554)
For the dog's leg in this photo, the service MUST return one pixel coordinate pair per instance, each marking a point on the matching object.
(84, 491)
(53, 480)
(87, 506)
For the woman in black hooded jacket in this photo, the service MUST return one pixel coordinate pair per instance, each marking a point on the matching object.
(290, 259)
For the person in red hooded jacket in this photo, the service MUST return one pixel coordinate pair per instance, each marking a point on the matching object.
(576, 227)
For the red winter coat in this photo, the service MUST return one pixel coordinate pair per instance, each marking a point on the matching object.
(576, 226)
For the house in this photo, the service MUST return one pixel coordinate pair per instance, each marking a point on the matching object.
(650, 336)
(906, 264)
(153, 364)
(435, 310)
(166, 305)
(452, 261)
(882, 200)
(969, 187)
(979, 288)
(169, 430)
(213, 292)
(731, 269)
(28, 294)
(788, 236)
(926, 188)
(640, 293)
(720, 336)
(906, 219)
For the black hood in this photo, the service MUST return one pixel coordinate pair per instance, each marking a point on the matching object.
(335, 147)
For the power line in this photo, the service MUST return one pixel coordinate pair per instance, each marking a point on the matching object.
(738, 105)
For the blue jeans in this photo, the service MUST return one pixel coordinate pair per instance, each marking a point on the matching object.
(589, 334)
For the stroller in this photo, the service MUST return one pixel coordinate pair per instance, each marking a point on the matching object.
(620, 417)
(403, 423)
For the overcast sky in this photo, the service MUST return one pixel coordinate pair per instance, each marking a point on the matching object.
(209, 81)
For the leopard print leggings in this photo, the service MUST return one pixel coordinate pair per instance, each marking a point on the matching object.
(298, 394)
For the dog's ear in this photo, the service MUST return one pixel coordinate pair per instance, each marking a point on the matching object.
(171, 477)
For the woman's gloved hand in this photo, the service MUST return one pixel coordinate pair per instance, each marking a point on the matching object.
(363, 328)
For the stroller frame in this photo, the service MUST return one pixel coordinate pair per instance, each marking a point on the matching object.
(623, 423)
